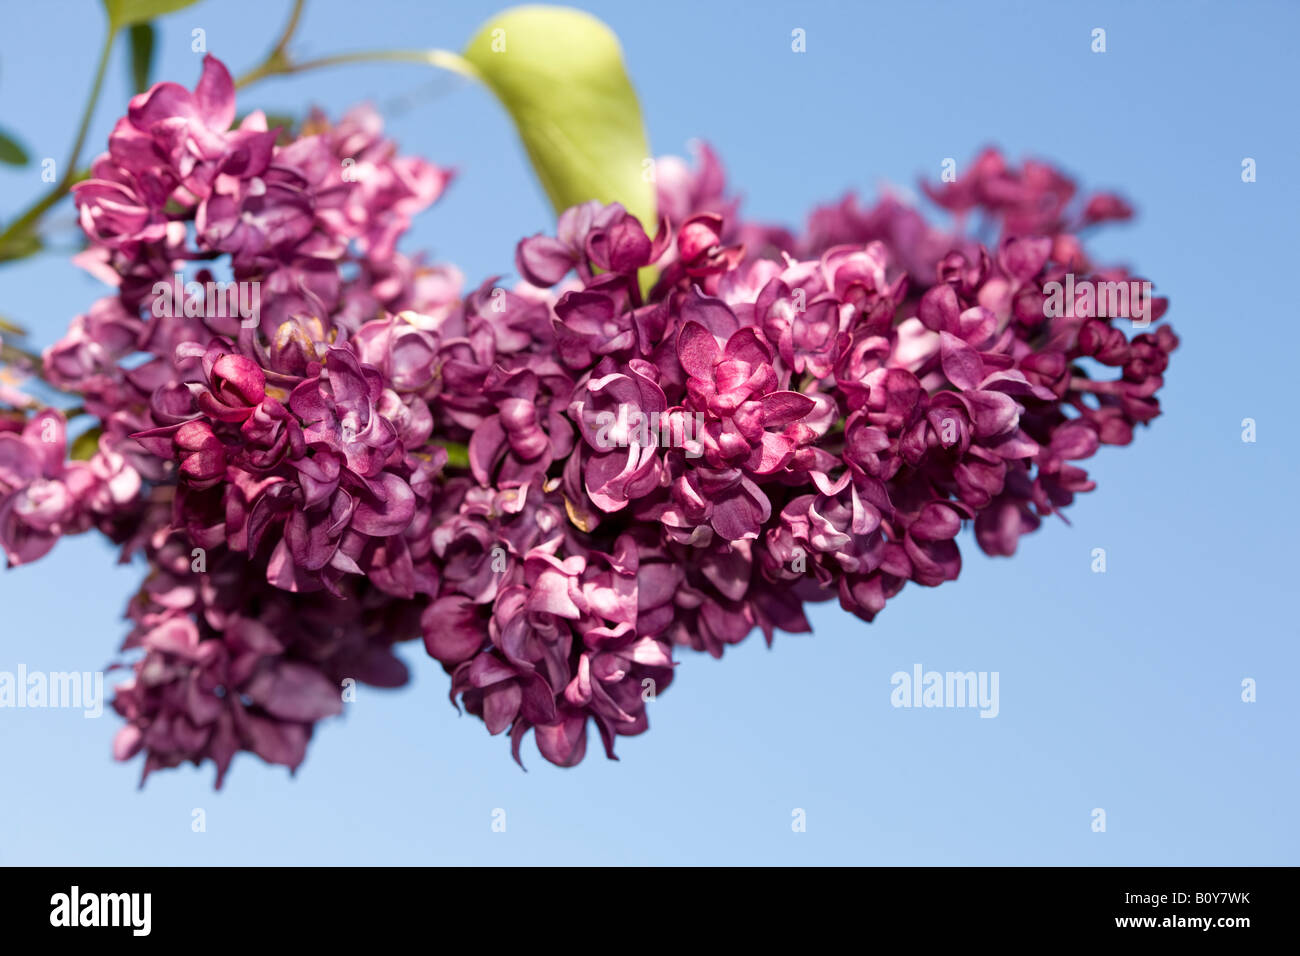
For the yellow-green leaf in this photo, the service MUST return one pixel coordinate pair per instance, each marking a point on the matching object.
(457, 453)
(141, 37)
(86, 444)
(11, 152)
(125, 13)
(21, 245)
(559, 72)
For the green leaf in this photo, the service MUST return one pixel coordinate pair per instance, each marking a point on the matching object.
(125, 13)
(11, 153)
(457, 453)
(86, 444)
(25, 243)
(559, 72)
(141, 38)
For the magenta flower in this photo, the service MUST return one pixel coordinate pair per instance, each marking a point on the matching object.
(41, 497)
(553, 485)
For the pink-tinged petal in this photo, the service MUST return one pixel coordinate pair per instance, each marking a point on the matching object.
(486, 446)
(651, 653)
(697, 350)
(215, 95)
(453, 631)
(543, 261)
(578, 692)
(976, 325)
(538, 703)
(782, 408)
(300, 692)
(550, 595)
(387, 513)
(1015, 445)
(713, 314)
(933, 562)
(563, 743)
(237, 379)
(157, 441)
(770, 455)
(19, 462)
(501, 706)
(621, 247)
(961, 363)
(283, 572)
(937, 522)
(162, 101)
(1021, 257)
(1106, 207)
(177, 636)
(1074, 440)
(487, 670)
(735, 517)
(1013, 382)
(992, 413)
(127, 742)
(939, 308)
(747, 346)
(275, 741)
(698, 235)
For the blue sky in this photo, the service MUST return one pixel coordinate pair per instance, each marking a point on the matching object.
(1119, 691)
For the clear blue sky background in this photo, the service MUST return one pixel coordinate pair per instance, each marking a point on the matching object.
(1118, 690)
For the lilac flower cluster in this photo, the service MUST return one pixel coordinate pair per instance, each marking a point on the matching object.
(859, 405)
(267, 472)
(380, 457)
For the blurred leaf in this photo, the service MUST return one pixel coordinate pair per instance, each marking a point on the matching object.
(280, 119)
(457, 453)
(86, 444)
(125, 13)
(141, 39)
(560, 74)
(12, 328)
(11, 153)
(20, 246)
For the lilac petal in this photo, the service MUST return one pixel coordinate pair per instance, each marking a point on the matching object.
(385, 511)
(543, 261)
(563, 743)
(452, 629)
(937, 522)
(992, 413)
(782, 408)
(711, 313)
(21, 464)
(939, 308)
(1074, 440)
(961, 363)
(697, 350)
(275, 741)
(215, 95)
(301, 692)
(501, 705)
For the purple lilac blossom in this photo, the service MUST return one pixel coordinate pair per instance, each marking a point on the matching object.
(825, 410)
